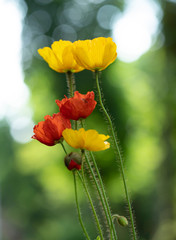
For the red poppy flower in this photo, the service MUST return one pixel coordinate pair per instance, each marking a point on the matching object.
(79, 106)
(50, 131)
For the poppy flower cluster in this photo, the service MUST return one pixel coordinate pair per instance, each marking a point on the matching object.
(66, 57)
(94, 55)
(49, 132)
(56, 128)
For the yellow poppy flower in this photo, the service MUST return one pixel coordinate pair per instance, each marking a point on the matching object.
(60, 57)
(89, 139)
(96, 54)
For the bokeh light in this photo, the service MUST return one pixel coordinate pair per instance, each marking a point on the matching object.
(64, 32)
(135, 29)
(14, 94)
(105, 16)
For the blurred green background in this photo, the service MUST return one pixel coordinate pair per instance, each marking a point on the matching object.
(36, 190)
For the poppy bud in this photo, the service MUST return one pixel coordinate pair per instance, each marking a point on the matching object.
(122, 221)
(73, 161)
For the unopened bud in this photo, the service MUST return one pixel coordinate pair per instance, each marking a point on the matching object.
(122, 221)
(73, 161)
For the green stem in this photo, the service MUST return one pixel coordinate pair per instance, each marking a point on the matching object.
(103, 192)
(99, 190)
(76, 197)
(78, 209)
(71, 88)
(104, 195)
(119, 154)
(76, 125)
(91, 203)
(63, 147)
(70, 83)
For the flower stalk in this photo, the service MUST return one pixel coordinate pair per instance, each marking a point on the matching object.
(119, 154)
(100, 189)
(70, 83)
(76, 198)
(105, 200)
(63, 147)
(100, 195)
(78, 208)
(104, 196)
(91, 203)
(71, 88)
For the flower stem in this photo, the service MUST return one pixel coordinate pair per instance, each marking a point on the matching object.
(76, 197)
(119, 154)
(91, 203)
(99, 191)
(78, 208)
(63, 147)
(103, 193)
(70, 83)
(75, 125)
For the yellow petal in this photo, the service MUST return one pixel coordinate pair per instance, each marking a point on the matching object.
(47, 54)
(107, 145)
(58, 48)
(95, 54)
(110, 53)
(81, 53)
(89, 140)
(69, 61)
(60, 57)
(74, 138)
(67, 58)
(104, 137)
(98, 45)
(95, 141)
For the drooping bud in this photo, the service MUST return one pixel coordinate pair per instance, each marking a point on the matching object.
(73, 161)
(121, 220)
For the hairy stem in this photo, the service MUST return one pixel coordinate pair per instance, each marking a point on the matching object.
(91, 203)
(70, 83)
(119, 154)
(78, 208)
(76, 197)
(104, 195)
(99, 192)
(112, 227)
